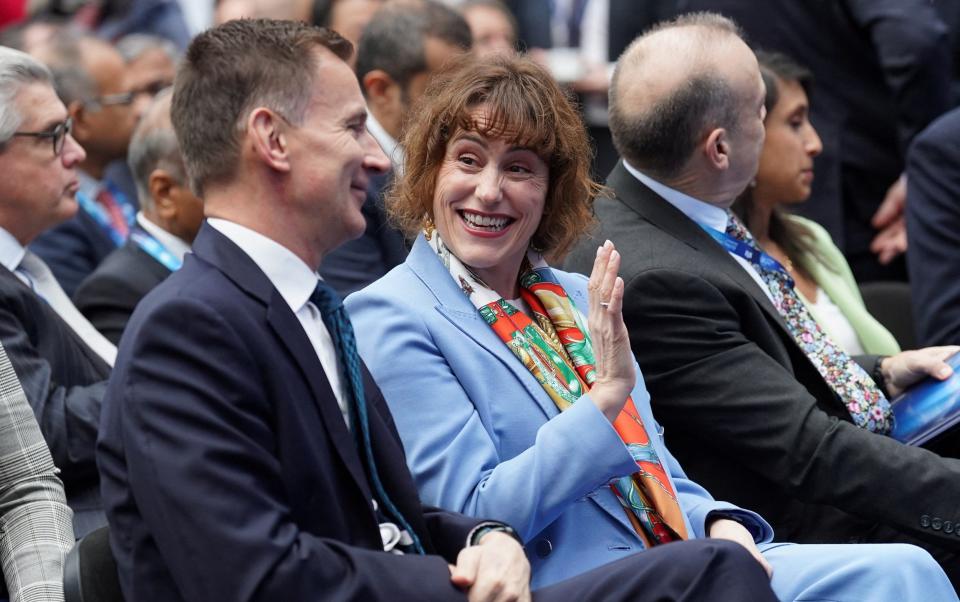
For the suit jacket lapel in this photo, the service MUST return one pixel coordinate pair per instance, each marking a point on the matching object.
(453, 305)
(215, 248)
(650, 206)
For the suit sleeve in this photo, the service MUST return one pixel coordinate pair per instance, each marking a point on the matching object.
(107, 302)
(456, 461)
(914, 54)
(715, 384)
(197, 434)
(68, 415)
(933, 226)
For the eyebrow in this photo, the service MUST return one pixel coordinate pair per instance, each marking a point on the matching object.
(472, 137)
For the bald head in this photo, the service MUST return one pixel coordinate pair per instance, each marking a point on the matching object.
(676, 83)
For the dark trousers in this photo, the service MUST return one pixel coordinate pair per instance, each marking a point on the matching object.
(700, 569)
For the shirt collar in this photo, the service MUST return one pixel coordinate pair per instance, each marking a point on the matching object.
(292, 278)
(174, 244)
(89, 186)
(11, 251)
(388, 143)
(699, 211)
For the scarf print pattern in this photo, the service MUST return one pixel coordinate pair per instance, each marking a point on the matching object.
(557, 350)
(866, 404)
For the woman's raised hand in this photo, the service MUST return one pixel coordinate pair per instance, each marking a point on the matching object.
(616, 376)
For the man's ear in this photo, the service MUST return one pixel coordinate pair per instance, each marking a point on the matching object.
(717, 149)
(161, 183)
(266, 133)
(380, 89)
(81, 127)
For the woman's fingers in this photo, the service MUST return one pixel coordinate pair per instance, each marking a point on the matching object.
(616, 297)
(598, 273)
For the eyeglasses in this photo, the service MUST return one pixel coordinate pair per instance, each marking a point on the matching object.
(125, 98)
(58, 135)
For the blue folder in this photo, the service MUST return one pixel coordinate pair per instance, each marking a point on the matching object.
(928, 408)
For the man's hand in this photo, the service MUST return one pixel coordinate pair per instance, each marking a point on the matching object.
(907, 367)
(724, 528)
(889, 219)
(496, 570)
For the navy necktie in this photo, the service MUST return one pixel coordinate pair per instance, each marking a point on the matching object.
(341, 332)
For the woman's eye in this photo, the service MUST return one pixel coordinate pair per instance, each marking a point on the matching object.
(518, 169)
(467, 160)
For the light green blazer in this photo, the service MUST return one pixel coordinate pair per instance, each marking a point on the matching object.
(842, 289)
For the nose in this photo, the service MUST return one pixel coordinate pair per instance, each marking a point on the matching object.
(489, 189)
(374, 158)
(72, 152)
(813, 143)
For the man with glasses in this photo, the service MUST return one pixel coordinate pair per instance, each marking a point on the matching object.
(105, 102)
(61, 360)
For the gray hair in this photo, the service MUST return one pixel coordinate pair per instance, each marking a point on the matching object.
(65, 55)
(154, 146)
(17, 69)
(133, 45)
(660, 136)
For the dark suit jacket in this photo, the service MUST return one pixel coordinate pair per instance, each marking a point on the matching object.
(357, 263)
(73, 249)
(228, 471)
(108, 296)
(743, 409)
(64, 381)
(933, 226)
(881, 73)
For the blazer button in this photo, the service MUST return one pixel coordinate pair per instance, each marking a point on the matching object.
(936, 524)
(543, 548)
(925, 521)
(947, 527)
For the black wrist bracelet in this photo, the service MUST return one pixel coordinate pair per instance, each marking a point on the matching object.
(877, 374)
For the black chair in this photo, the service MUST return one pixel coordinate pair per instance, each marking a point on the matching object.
(890, 303)
(90, 572)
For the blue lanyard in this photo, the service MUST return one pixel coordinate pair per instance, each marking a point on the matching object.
(100, 216)
(747, 251)
(154, 249)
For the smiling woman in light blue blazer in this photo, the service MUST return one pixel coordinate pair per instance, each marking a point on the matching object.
(490, 176)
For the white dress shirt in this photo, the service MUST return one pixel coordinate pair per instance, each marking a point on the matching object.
(295, 282)
(701, 212)
(174, 244)
(388, 144)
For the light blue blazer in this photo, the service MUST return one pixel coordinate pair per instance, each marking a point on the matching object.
(483, 438)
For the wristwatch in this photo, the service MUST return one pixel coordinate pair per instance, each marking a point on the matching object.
(477, 533)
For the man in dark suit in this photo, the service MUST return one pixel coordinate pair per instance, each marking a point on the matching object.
(245, 451)
(61, 360)
(168, 221)
(881, 73)
(93, 81)
(399, 50)
(933, 224)
(746, 410)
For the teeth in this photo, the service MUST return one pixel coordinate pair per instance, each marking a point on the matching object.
(485, 221)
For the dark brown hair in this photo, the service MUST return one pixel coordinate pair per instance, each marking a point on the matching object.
(230, 70)
(524, 103)
(794, 238)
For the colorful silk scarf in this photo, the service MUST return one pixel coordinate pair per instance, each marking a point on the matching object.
(556, 349)
(866, 404)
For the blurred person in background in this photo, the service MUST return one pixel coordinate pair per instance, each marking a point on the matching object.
(169, 219)
(492, 25)
(400, 50)
(784, 177)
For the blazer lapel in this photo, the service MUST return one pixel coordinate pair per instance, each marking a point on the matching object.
(213, 247)
(456, 308)
(650, 206)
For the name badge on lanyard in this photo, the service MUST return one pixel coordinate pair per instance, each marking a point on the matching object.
(747, 251)
(154, 249)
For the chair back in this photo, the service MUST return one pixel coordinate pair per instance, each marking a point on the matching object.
(90, 572)
(890, 303)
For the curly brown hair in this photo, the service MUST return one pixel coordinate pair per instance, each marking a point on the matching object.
(522, 101)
